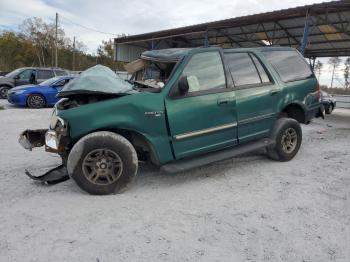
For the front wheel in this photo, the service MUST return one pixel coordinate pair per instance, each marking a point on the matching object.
(288, 136)
(102, 163)
(36, 101)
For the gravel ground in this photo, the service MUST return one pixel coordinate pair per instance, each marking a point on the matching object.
(245, 209)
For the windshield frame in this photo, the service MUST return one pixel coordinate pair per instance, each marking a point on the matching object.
(14, 72)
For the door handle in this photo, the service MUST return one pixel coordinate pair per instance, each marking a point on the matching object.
(274, 92)
(225, 101)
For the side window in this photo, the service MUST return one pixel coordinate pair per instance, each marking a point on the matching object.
(205, 71)
(26, 74)
(60, 73)
(290, 65)
(264, 77)
(45, 74)
(242, 69)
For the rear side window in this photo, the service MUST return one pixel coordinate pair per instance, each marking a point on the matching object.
(290, 65)
(45, 74)
(205, 71)
(60, 73)
(244, 71)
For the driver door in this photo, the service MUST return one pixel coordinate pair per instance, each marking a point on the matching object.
(203, 119)
(23, 78)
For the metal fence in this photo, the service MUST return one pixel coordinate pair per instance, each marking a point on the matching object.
(343, 101)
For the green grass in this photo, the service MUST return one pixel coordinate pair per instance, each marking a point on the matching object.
(2, 108)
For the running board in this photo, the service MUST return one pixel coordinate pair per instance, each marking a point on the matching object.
(186, 164)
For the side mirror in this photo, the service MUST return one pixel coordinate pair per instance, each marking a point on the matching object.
(16, 77)
(183, 85)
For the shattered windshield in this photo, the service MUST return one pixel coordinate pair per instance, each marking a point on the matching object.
(98, 79)
(150, 74)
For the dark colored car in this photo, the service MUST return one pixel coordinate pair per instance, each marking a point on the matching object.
(27, 75)
(328, 102)
(38, 96)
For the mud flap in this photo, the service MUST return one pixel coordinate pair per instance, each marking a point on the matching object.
(54, 176)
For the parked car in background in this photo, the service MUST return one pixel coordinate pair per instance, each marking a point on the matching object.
(3, 73)
(328, 101)
(27, 75)
(38, 96)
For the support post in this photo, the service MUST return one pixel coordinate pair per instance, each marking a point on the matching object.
(73, 65)
(206, 41)
(56, 60)
(305, 34)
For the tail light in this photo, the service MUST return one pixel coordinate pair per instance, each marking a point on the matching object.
(318, 91)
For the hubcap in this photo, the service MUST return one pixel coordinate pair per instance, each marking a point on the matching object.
(36, 101)
(289, 140)
(102, 166)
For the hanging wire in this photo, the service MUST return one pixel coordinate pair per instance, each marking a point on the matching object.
(87, 28)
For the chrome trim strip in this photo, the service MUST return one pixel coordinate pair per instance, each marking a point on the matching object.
(255, 118)
(204, 131)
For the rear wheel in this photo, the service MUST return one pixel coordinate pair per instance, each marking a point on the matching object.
(102, 163)
(329, 109)
(3, 91)
(288, 136)
(36, 101)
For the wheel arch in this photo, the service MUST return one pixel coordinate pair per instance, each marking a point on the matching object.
(295, 111)
(140, 142)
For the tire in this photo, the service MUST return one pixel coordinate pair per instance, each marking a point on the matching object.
(102, 163)
(3, 91)
(288, 137)
(36, 101)
(329, 109)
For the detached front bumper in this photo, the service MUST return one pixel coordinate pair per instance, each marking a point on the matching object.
(38, 138)
(32, 138)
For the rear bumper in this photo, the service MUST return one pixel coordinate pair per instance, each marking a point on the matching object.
(315, 112)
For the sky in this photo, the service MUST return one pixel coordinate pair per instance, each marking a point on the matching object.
(132, 16)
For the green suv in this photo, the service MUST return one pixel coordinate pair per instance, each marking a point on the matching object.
(182, 108)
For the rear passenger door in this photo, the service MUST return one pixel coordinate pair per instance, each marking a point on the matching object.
(255, 95)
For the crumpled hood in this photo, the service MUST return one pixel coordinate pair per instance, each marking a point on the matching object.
(97, 79)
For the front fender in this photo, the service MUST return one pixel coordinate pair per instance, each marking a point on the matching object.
(131, 112)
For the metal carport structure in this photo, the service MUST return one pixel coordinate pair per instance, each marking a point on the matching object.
(318, 30)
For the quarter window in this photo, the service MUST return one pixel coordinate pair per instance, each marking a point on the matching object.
(45, 74)
(205, 71)
(290, 65)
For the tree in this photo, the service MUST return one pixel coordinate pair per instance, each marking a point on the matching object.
(347, 73)
(334, 62)
(318, 68)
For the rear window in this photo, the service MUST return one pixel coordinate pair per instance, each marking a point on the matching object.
(290, 65)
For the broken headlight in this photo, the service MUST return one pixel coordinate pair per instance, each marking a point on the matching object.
(51, 139)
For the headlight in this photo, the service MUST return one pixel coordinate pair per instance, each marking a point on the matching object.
(51, 139)
(53, 119)
(19, 92)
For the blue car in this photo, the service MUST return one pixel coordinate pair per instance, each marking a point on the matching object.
(38, 96)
